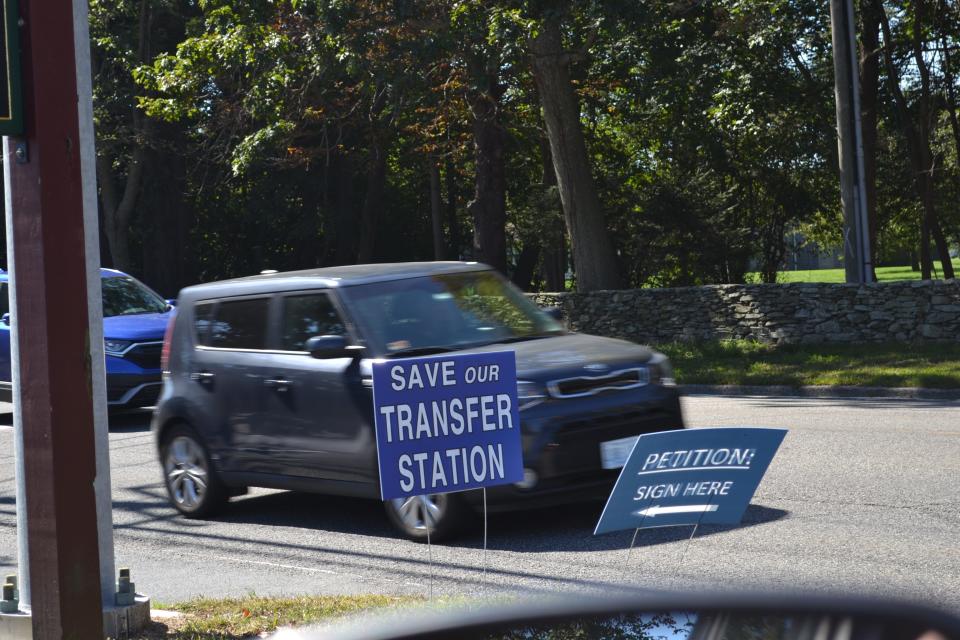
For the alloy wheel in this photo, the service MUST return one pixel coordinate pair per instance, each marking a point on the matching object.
(416, 511)
(186, 472)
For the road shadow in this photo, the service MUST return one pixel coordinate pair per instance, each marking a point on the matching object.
(800, 402)
(534, 531)
(567, 528)
(310, 511)
(571, 529)
(128, 421)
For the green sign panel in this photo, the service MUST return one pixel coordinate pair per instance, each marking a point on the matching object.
(11, 106)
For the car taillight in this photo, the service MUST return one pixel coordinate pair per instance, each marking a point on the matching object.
(165, 351)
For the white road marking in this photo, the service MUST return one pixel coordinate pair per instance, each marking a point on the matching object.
(279, 565)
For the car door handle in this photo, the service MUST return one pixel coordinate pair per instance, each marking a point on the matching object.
(280, 385)
(203, 377)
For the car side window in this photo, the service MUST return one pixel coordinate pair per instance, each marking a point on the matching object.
(202, 314)
(307, 316)
(240, 324)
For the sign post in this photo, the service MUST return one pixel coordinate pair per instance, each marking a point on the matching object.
(61, 448)
(445, 424)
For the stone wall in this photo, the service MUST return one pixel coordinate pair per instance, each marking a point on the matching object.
(803, 313)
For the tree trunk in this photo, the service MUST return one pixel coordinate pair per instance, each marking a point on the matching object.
(593, 253)
(926, 117)
(453, 225)
(346, 241)
(376, 182)
(869, 97)
(951, 102)
(118, 210)
(554, 263)
(527, 264)
(489, 205)
(372, 202)
(169, 263)
(918, 141)
(436, 212)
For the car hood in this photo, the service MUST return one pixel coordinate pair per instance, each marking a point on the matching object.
(565, 355)
(141, 327)
(571, 353)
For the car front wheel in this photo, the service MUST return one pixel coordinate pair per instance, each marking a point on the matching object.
(441, 514)
(192, 483)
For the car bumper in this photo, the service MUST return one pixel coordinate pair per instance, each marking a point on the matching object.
(137, 390)
(133, 390)
(564, 450)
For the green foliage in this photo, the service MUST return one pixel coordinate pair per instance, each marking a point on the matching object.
(884, 274)
(742, 362)
(710, 128)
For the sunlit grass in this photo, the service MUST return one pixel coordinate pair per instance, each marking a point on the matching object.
(742, 362)
(884, 274)
(231, 618)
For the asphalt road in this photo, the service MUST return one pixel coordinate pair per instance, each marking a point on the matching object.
(863, 497)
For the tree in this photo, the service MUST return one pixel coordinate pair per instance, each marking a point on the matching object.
(593, 253)
(918, 137)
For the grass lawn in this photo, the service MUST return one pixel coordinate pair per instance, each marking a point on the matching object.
(741, 362)
(234, 618)
(884, 274)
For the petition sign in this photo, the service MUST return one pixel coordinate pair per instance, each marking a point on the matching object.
(447, 423)
(690, 476)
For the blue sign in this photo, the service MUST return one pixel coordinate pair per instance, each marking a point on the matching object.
(690, 476)
(447, 423)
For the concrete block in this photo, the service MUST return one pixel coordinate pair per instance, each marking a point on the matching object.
(123, 622)
(16, 626)
(119, 623)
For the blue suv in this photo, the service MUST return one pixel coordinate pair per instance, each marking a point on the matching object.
(134, 321)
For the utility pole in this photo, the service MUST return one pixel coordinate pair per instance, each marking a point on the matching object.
(46, 161)
(856, 238)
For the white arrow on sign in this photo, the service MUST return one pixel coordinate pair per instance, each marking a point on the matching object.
(657, 510)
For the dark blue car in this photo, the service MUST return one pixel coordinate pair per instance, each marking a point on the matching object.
(269, 384)
(134, 321)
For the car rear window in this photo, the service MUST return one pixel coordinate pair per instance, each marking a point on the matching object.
(202, 314)
(307, 316)
(240, 324)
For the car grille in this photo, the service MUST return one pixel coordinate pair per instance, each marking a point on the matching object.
(577, 443)
(146, 355)
(590, 385)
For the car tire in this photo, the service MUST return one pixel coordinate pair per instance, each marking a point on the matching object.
(192, 483)
(448, 516)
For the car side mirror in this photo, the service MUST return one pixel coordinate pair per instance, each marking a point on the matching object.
(328, 347)
(5, 319)
(172, 302)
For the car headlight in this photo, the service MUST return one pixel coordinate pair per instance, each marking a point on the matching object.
(116, 347)
(529, 394)
(660, 371)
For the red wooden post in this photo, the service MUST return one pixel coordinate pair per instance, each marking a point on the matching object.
(54, 334)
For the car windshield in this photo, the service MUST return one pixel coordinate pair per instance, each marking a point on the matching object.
(127, 297)
(451, 310)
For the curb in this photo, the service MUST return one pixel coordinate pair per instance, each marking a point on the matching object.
(821, 391)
